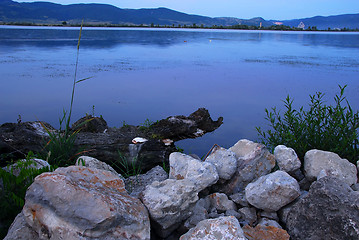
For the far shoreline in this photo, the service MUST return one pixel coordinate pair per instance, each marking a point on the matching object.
(145, 26)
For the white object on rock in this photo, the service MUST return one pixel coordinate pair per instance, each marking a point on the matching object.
(273, 191)
(322, 163)
(286, 158)
(139, 140)
(167, 141)
(199, 132)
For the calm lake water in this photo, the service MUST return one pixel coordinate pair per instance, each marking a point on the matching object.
(140, 74)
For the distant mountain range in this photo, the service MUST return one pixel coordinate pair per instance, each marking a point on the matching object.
(51, 13)
(350, 21)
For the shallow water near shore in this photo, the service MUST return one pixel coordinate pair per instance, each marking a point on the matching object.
(140, 74)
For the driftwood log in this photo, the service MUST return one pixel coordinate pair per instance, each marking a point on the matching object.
(147, 146)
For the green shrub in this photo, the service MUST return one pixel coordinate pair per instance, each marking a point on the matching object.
(14, 189)
(326, 127)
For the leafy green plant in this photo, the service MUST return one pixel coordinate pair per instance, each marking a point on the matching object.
(146, 125)
(166, 167)
(326, 127)
(93, 110)
(127, 167)
(15, 181)
(178, 149)
(124, 124)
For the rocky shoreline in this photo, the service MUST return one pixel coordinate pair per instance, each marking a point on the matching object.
(244, 192)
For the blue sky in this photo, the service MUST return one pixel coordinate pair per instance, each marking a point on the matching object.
(268, 9)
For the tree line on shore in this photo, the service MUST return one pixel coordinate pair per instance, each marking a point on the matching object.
(193, 26)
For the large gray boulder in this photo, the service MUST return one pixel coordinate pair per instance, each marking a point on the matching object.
(220, 228)
(183, 166)
(273, 191)
(169, 203)
(84, 203)
(286, 158)
(225, 162)
(323, 163)
(329, 211)
(253, 160)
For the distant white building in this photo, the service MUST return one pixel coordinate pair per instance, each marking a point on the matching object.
(301, 25)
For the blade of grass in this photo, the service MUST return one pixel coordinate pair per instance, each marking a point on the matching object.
(74, 83)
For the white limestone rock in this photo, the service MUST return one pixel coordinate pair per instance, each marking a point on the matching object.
(220, 228)
(322, 163)
(182, 166)
(273, 191)
(225, 162)
(253, 160)
(286, 158)
(169, 202)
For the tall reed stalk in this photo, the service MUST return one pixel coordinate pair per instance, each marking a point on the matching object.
(75, 81)
(60, 147)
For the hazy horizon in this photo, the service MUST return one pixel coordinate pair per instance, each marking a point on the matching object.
(269, 10)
